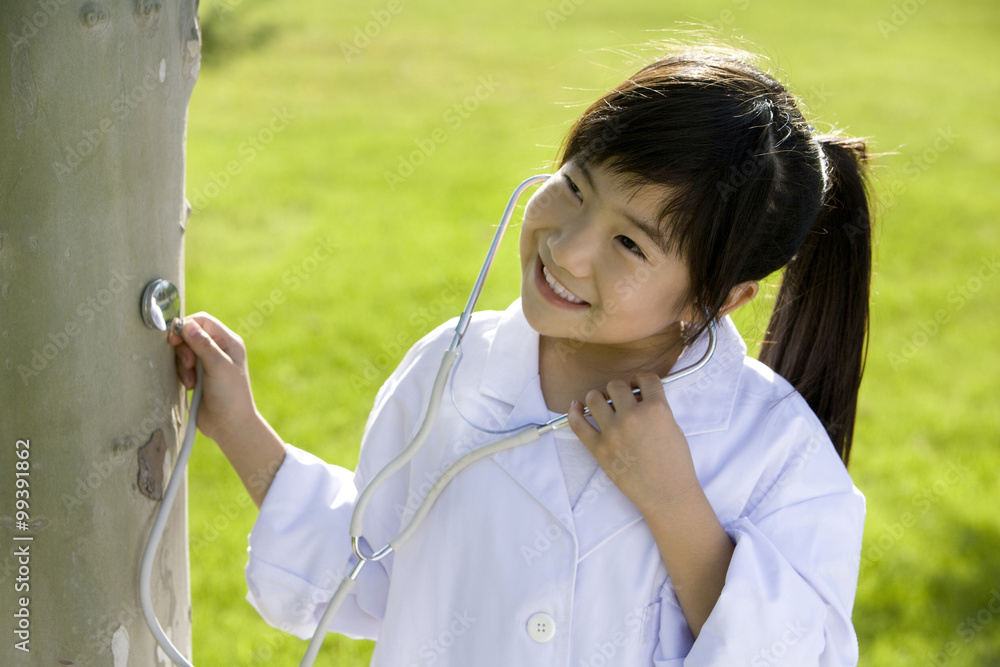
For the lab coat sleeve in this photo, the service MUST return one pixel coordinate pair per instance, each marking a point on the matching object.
(300, 548)
(299, 551)
(790, 586)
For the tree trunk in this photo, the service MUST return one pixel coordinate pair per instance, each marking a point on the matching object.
(93, 109)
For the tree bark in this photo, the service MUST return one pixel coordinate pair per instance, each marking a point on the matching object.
(93, 111)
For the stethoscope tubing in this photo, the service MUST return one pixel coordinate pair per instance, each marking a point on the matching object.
(160, 523)
(528, 434)
(477, 288)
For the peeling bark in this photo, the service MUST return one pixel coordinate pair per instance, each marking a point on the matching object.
(151, 457)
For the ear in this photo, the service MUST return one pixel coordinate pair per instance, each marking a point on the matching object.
(739, 295)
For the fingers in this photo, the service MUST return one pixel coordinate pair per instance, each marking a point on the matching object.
(650, 387)
(204, 345)
(186, 360)
(620, 393)
(224, 337)
(622, 398)
(578, 423)
(201, 336)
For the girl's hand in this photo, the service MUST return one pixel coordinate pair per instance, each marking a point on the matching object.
(638, 443)
(227, 405)
(228, 414)
(642, 449)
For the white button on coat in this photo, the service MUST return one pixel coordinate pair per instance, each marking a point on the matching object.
(504, 542)
(541, 627)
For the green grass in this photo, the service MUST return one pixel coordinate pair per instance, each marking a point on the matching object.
(399, 260)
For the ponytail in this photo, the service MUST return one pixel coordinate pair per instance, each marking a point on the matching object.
(756, 191)
(818, 333)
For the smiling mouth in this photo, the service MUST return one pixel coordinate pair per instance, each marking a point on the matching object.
(560, 289)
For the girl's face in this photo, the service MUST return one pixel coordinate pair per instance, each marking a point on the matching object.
(592, 269)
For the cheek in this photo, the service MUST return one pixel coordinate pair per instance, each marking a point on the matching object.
(525, 244)
(532, 210)
(658, 294)
(544, 202)
(537, 210)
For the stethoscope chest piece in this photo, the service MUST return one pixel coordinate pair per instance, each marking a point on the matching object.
(161, 304)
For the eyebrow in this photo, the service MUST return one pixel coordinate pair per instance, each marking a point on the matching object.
(650, 230)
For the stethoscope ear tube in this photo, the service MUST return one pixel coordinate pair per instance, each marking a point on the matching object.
(433, 405)
(470, 305)
(528, 434)
(522, 437)
(437, 391)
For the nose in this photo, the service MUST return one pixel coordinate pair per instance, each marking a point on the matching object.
(571, 246)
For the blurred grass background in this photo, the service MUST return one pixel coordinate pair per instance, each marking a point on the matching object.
(330, 268)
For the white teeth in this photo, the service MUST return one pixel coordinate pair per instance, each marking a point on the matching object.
(558, 287)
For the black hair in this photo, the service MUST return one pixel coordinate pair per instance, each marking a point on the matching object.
(759, 190)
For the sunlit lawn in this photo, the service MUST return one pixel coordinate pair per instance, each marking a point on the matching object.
(345, 197)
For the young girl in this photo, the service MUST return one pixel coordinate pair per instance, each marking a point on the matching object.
(712, 522)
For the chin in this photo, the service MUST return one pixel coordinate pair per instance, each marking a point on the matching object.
(541, 318)
(552, 323)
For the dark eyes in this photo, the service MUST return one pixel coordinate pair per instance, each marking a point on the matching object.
(573, 187)
(625, 241)
(631, 246)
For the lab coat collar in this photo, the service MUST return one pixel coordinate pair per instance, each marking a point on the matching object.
(701, 402)
(512, 360)
(511, 376)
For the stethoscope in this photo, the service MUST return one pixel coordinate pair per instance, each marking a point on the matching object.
(161, 305)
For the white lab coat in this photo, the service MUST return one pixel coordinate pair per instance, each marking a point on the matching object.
(503, 544)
